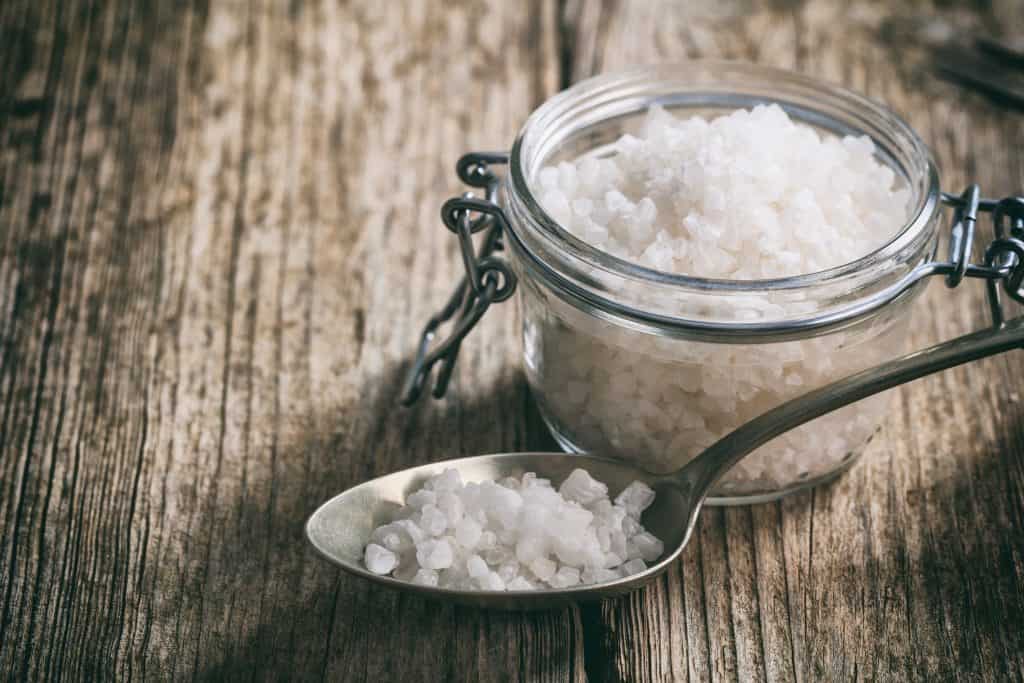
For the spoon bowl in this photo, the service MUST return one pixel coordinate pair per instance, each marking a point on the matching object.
(340, 529)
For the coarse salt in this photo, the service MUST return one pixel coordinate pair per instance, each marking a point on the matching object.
(747, 196)
(517, 534)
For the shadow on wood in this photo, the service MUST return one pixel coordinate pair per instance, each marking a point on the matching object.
(367, 632)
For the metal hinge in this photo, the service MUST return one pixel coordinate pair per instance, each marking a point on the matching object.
(488, 280)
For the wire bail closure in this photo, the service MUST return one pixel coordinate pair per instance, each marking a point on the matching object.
(489, 280)
(1003, 260)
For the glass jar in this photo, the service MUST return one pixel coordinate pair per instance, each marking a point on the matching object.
(653, 367)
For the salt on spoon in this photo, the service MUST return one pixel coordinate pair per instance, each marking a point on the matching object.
(519, 533)
(340, 529)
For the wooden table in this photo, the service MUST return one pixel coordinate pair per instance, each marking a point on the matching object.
(219, 238)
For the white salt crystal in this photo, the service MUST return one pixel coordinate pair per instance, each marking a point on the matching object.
(649, 547)
(529, 548)
(574, 518)
(543, 568)
(565, 577)
(634, 566)
(504, 506)
(531, 480)
(449, 480)
(497, 554)
(612, 560)
(647, 211)
(394, 537)
(616, 201)
(488, 539)
(379, 560)
(477, 567)
(533, 518)
(425, 577)
(434, 554)
(582, 488)
(570, 550)
(617, 541)
(520, 584)
(510, 483)
(416, 534)
(432, 520)
(630, 526)
(467, 532)
(558, 206)
(508, 570)
(451, 505)
(582, 207)
(635, 498)
(420, 498)
(598, 575)
(491, 582)
(589, 171)
(549, 177)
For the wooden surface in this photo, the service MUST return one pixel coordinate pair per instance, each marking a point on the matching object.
(219, 236)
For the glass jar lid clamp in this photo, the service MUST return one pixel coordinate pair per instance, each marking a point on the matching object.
(489, 280)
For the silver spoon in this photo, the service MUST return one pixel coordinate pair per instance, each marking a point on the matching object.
(340, 528)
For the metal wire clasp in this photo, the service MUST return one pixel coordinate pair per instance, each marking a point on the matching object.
(1003, 261)
(488, 280)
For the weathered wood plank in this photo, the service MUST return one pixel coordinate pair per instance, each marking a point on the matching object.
(909, 567)
(219, 238)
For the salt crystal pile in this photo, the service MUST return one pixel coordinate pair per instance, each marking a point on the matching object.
(516, 534)
(746, 196)
(750, 195)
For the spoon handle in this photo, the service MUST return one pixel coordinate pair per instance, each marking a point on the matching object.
(704, 470)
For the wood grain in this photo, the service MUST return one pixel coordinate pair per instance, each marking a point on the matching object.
(218, 240)
(220, 235)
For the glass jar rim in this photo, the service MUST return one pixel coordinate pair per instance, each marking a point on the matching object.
(927, 202)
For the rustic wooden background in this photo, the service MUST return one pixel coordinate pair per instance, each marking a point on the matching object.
(219, 236)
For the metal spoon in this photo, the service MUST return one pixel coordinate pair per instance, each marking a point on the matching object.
(340, 528)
